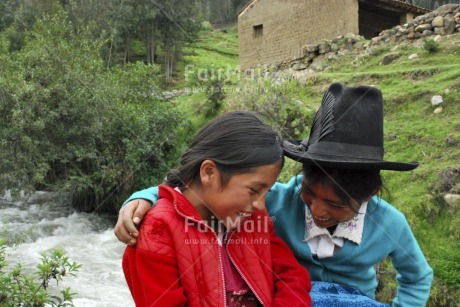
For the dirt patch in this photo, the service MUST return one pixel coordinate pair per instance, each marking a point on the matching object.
(418, 75)
(449, 181)
(420, 140)
(452, 141)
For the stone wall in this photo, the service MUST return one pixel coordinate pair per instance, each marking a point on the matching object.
(443, 21)
(265, 29)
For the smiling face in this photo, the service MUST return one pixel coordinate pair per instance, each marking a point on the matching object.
(327, 209)
(235, 201)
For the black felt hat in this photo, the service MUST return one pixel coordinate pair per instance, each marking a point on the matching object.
(347, 132)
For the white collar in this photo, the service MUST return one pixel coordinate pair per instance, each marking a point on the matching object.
(323, 244)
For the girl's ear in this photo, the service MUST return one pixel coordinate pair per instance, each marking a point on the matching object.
(208, 172)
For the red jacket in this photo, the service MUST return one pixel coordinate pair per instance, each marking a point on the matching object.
(177, 262)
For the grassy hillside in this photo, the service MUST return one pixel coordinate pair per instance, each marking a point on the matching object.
(413, 131)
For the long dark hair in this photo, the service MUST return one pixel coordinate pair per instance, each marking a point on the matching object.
(349, 185)
(236, 141)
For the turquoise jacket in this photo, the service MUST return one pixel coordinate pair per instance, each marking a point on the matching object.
(386, 233)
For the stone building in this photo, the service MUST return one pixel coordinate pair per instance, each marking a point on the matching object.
(272, 31)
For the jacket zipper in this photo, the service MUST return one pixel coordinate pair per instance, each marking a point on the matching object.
(218, 249)
(238, 269)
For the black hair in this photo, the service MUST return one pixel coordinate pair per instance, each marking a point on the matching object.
(236, 141)
(349, 185)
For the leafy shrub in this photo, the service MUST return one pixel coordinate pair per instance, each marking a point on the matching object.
(20, 289)
(276, 101)
(430, 45)
(70, 124)
(206, 26)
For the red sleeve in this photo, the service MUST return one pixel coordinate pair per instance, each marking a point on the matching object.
(292, 281)
(151, 270)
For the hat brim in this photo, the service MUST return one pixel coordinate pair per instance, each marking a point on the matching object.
(291, 150)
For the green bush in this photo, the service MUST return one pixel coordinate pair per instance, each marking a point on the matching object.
(430, 45)
(20, 289)
(69, 124)
(277, 102)
(206, 26)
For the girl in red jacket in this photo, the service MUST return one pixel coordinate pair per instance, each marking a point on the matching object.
(209, 241)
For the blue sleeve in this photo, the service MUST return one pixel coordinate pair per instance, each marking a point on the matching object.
(414, 274)
(150, 194)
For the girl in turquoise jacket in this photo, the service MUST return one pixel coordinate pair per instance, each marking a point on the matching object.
(330, 216)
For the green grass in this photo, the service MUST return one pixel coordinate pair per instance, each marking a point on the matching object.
(412, 133)
(213, 52)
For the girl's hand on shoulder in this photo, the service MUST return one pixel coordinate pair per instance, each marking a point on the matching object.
(129, 218)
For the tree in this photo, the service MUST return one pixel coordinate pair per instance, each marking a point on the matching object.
(70, 124)
(7, 12)
(178, 24)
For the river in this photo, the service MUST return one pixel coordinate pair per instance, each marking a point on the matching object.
(43, 221)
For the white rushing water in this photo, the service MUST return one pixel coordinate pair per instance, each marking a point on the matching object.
(44, 223)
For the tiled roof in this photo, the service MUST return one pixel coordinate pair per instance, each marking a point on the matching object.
(245, 6)
(401, 4)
